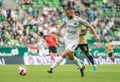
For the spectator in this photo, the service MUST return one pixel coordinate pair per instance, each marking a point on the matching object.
(92, 15)
(27, 25)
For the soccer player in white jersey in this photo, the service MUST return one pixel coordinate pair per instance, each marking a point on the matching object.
(41, 46)
(72, 24)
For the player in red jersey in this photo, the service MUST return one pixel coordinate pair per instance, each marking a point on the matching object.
(52, 42)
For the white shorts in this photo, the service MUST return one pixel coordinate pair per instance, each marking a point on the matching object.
(71, 45)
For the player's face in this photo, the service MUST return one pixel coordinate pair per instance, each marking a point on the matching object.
(70, 13)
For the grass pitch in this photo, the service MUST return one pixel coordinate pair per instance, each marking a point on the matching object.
(63, 73)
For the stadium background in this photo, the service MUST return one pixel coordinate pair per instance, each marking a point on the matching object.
(22, 21)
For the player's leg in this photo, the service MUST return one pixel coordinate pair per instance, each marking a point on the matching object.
(111, 56)
(58, 61)
(92, 61)
(68, 51)
(76, 61)
(90, 58)
(51, 53)
(61, 58)
(85, 49)
(76, 54)
(54, 50)
(74, 58)
(71, 48)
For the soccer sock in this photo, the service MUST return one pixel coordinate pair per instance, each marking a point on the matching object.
(112, 59)
(59, 60)
(91, 59)
(52, 57)
(76, 61)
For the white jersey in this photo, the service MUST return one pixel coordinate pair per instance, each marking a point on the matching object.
(73, 28)
(41, 48)
(41, 44)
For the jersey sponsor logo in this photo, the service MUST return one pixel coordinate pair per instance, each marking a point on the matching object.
(75, 23)
(72, 24)
(72, 32)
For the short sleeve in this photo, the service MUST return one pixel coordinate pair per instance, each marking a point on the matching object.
(82, 20)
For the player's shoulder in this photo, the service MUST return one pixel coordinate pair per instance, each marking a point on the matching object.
(65, 19)
(77, 17)
(81, 20)
(106, 44)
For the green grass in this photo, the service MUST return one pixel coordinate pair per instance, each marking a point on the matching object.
(63, 73)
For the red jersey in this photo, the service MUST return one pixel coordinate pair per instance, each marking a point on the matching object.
(26, 1)
(51, 40)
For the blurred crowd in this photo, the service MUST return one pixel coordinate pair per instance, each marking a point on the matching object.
(20, 27)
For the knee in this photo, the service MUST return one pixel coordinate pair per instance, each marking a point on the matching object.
(71, 57)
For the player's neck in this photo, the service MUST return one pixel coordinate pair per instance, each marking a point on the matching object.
(72, 17)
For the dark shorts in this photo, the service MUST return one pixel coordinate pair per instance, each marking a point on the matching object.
(110, 54)
(84, 47)
(52, 49)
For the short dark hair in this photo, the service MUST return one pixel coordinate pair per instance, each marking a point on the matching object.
(77, 12)
(69, 8)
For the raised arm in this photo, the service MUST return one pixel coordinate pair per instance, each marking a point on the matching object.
(93, 31)
(90, 26)
(59, 29)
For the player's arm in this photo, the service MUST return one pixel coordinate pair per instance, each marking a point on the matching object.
(93, 31)
(91, 27)
(59, 29)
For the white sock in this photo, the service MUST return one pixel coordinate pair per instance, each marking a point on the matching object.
(95, 65)
(76, 61)
(59, 60)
